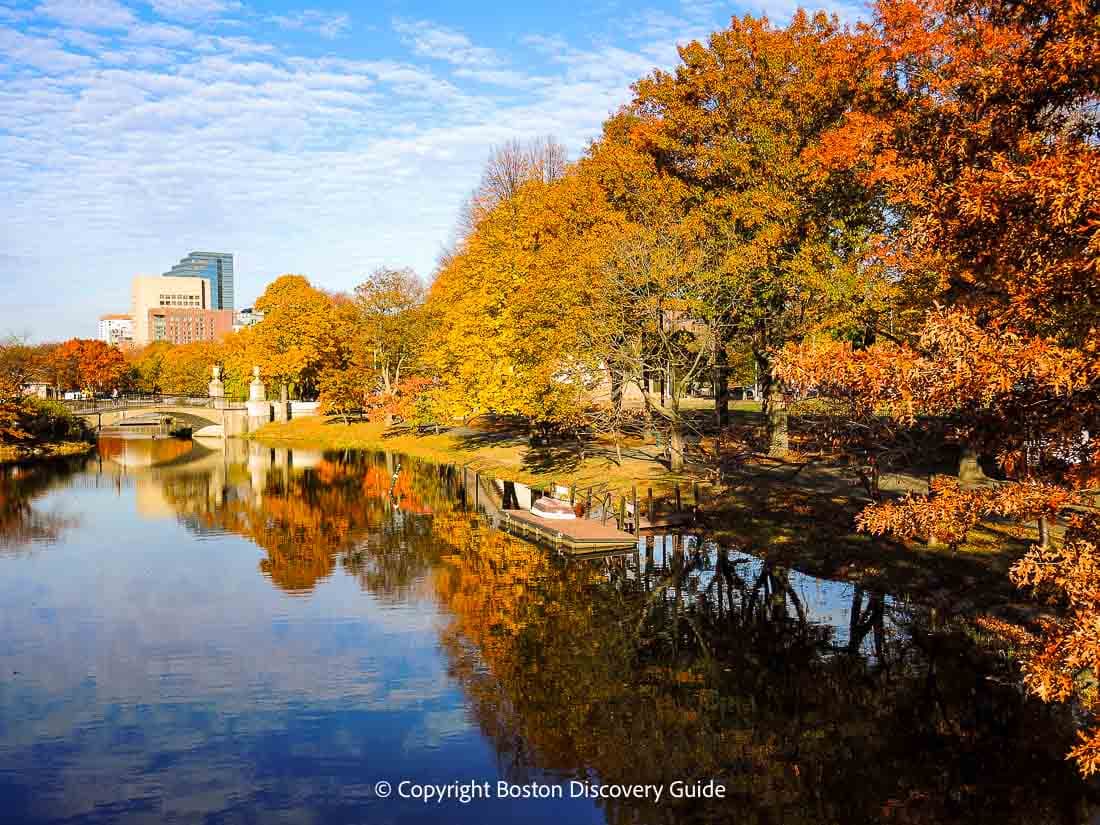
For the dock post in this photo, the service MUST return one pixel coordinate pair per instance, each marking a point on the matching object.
(695, 493)
(677, 489)
(553, 488)
(649, 508)
(588, 503)
(637, 515)
(622, 512)
(572, 495)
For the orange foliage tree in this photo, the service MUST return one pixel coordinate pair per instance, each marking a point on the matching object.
(88, 365)
(983, 130)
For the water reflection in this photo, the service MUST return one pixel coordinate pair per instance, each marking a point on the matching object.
(22, 520)
(391, 632)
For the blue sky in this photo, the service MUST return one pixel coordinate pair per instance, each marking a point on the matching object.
(321, 139)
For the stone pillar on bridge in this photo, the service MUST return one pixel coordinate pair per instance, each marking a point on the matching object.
(259, 408)
(216, 389)
(282, 406)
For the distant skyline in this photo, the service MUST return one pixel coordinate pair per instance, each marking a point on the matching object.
(323, 140)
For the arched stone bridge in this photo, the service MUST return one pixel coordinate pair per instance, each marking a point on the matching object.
(192, 412)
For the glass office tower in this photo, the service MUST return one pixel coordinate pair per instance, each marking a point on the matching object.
(217, 268)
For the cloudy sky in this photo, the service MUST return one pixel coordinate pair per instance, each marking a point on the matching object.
(321, 140)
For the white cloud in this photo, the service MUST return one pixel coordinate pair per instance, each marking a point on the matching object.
(162, 34)
(193, 9)
(553, 44)
(122, 148)
(91, 14)
(439, 43)
(83, 40)
(43, 53)
(502, 77)
(329, 25)
(11, 15)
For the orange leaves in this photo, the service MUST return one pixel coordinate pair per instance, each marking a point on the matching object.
(1065, 663)
(957, 364)
(88, 364)
(948, 512)
(946, 515)
(989, 154)
(304, 332)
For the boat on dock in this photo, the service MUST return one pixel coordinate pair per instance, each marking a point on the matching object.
(549, 516)
(576, 535)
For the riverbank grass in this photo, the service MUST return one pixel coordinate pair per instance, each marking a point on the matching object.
(16, 453)
(494, 450)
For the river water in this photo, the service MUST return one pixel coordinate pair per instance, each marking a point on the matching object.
(199, 633)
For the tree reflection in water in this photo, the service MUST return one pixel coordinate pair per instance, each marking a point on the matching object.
(686, 661)
(21, 522)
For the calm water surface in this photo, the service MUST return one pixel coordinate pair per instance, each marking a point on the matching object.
(195, 633)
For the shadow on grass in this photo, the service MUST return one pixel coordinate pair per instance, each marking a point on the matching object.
(815, 533)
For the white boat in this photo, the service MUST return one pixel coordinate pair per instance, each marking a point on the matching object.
(551, 508)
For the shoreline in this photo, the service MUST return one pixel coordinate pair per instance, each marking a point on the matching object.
(49, 451)
(805, 521)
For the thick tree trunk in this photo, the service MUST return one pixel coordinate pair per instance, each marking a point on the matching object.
(778, 441)
(721, 387)
(774, 407)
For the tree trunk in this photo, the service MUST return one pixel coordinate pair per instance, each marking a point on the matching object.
(676, 445)
(721, 387)
(970, 471)
(386, 376)
(616, 379)
(775, 409)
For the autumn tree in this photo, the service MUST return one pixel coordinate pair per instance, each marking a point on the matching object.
(389, 303)
(146, 365)
(20, 364)
(505, 309)
(740, 126)
(186, 369)
(985, 135)
(87, 364)
(304, 332)
(647, 325)
(508, 167)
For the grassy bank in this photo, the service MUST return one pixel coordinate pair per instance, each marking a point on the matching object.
(12, 453)
(35, 428)
(494, 450)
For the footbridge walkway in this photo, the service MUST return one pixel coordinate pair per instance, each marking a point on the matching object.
(181, 410)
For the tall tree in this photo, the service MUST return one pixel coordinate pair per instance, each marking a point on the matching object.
(986, 134)
(304, 332)
(740, 124)
(506, 308)
(393, 325)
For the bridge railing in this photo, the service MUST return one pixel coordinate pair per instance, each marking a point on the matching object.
(133, 401)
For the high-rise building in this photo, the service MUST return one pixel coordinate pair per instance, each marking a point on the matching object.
(116, 330)
(152, 292)
(216, 268)
(186, 326)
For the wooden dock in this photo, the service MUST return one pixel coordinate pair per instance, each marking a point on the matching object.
(577, 536)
